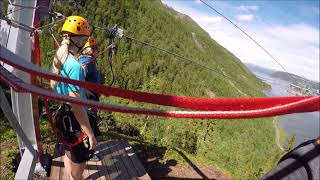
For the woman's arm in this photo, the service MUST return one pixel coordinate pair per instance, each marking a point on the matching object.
(82, 118)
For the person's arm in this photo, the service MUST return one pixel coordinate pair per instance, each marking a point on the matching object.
(82, 118)
(74, 72)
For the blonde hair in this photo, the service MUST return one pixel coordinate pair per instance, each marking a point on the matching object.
(87, 51)
(59, 58)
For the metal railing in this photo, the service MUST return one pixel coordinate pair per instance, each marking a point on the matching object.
(30, 156)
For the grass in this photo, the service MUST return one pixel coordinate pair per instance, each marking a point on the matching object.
(9, 148)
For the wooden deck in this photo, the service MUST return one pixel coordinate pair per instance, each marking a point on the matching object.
(112, 160)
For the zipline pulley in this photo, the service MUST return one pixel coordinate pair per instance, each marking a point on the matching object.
(112, 34)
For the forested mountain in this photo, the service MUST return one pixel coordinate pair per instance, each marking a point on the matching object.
(243, 149)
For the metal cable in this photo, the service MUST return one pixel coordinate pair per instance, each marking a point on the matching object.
(304, 80)
(8, 36)
(161, 49)
(244, 33)
(174, 54)
(40, 28)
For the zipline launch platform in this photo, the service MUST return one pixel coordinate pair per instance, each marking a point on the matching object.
(112, 160)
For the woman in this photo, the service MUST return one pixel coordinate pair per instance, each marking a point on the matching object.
(89, 65)
(91, 74)
(75, 31)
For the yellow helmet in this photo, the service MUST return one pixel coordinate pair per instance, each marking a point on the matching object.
(76, 25)
(91, 42)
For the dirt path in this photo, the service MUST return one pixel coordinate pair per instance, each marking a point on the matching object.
(277, 140)
(196, 41)
(232, 84)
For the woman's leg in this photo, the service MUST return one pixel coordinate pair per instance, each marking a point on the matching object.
(75, 170)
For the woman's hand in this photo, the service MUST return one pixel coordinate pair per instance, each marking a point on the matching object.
(92, 142)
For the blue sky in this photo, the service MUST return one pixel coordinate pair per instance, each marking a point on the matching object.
(289, 30)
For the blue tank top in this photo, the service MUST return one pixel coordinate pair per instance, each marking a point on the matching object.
(71, 69)
(91, 73)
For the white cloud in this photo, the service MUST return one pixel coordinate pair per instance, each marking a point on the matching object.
(248, 8)
(207, 19)
(195, 15)
(244, 17)
(295, 46)
(294, 33)
(197, 1)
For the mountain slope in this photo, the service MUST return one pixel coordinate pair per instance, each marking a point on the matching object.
(245, 149)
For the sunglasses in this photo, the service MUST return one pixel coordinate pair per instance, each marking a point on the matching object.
(80, 39)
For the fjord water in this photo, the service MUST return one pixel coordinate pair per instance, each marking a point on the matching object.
(305, 126)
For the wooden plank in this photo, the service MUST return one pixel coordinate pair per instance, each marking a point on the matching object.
(109, 162)
(135, 160)
(102, 172)
(57, 162)
(126, 161)
(112, 160)
(102, 168)
(122, 171)
(92, 166)
(91, 169)
(86, 172)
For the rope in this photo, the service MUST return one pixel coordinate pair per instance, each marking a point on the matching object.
(25, 27)
(19, 25)
(28, 7)
(176, 101)
(204, 104)
(14, 11)
(42, 27)
(308, 104)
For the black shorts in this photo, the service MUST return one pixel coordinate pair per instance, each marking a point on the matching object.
(79, 153)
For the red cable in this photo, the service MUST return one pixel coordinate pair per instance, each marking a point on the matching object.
(309, 104)
(204, 104)
(36, 60)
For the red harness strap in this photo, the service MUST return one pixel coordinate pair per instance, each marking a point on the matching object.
(49, 115)
(45, 99)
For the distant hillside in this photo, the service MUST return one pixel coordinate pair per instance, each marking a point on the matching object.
(295, 79)
(244, 149)
(256, 68)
